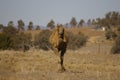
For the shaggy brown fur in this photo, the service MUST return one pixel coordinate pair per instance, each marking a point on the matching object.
(59, 41)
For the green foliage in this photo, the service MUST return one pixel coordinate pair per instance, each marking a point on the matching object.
(30, 26)
(37, 27)
(76, 41)
(81, 22)
(21, 40)
(5, 41)
(10, 30)
(73, 22)
(10, 23)
(51, 24)
(6, 36)
(1, 26)
(42, 40)
(111, 19)
(10, 39)
(110, 34)
(116, 47)
(89, 22)
(118, 28)
(21, 25)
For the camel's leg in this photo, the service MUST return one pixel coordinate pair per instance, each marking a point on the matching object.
(62, 61)
(58, 57)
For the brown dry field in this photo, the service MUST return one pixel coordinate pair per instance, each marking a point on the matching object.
(90, 62)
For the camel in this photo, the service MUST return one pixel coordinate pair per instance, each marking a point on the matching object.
(58, 41)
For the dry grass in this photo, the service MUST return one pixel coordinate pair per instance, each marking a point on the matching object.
(41, 65)
(87, 31)
(33, 33)
(88, 63)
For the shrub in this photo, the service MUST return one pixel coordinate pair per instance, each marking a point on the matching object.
(5, 41)
(116, 47)
(42, 40)
(110, 34)
(21, 40)
(7, 33)
(10, 30)
(76, 41)
(118, 28)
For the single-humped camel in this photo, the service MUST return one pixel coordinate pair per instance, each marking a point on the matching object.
(59, 40)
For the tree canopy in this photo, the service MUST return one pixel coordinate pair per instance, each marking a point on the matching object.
(51, 24)
(73, 22)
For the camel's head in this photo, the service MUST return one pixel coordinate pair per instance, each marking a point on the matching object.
(60, 30)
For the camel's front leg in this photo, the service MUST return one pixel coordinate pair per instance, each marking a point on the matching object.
(58, 58)
(61, 63)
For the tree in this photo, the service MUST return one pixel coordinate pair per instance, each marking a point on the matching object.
(51, 24)
(10, 23)
(30, 26)
(81, 22)
(20, 25)
(93, 22)
(111, 19)
(114, 18)
(1, 26)
(10, 29)
(37, 27)
(89, 22)
(73, 22)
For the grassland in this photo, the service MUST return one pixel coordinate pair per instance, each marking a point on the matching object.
(83, 64)
(91, 62)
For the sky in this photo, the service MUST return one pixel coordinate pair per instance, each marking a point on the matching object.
(40, 12)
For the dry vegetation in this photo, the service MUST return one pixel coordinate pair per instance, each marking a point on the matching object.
(91, 62)
(41, 65)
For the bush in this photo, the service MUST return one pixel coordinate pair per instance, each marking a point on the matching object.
(5, 41)
(116, 47)
(42, 40)
(76, 41)
(21, 40)
(110, 34)
(118, 28)
(6, 37)
(16, 41)
(10, 30)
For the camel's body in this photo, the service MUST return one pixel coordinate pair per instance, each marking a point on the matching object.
(59, 41)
